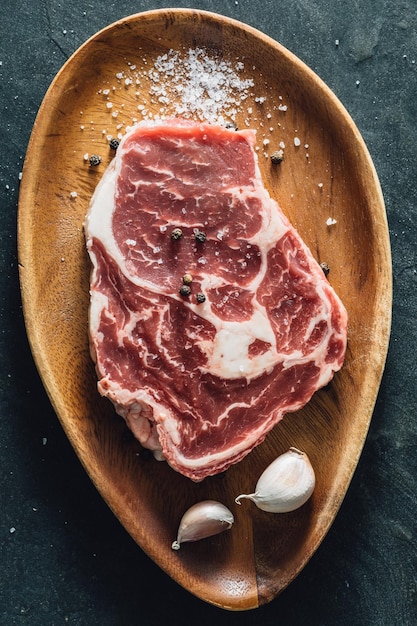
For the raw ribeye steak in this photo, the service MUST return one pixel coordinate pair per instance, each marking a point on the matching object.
(202, 378)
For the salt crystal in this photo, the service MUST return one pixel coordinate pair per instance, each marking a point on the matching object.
(20, 175)
(282, 145)
(320, 185)
(12, 530)
(73, 194)
(282, 107)
(297, 141)
(85, 157)
(109, 105)
(265, 142)
(331, 221)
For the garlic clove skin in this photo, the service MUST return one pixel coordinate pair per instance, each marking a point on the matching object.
(285, 485)
(202, 520)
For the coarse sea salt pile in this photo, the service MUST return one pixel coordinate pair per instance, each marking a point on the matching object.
(207, 87)
(193, 83)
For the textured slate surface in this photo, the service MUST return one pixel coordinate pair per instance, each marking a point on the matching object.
(64, 558)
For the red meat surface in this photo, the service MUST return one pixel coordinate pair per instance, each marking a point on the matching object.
(202, 383)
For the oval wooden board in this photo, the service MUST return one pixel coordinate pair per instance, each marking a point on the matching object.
(332, 177)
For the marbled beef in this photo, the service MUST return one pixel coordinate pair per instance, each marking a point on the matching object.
(202, 382)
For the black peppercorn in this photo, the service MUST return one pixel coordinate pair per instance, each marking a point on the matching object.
(95, 159)
(200, 297)
(176, 234)
(277, 157)
(114, 144)
(185, 290)
(325, 268)
(200, 236)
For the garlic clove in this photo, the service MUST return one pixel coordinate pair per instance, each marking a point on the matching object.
(204, 519)
(285, 485)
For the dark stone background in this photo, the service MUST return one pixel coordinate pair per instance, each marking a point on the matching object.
(69, 561)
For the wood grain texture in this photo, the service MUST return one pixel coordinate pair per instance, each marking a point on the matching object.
(249, 565)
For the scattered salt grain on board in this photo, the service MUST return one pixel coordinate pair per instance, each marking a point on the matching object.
(331, 221)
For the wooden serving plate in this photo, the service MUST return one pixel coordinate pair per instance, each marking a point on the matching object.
(332, 177)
